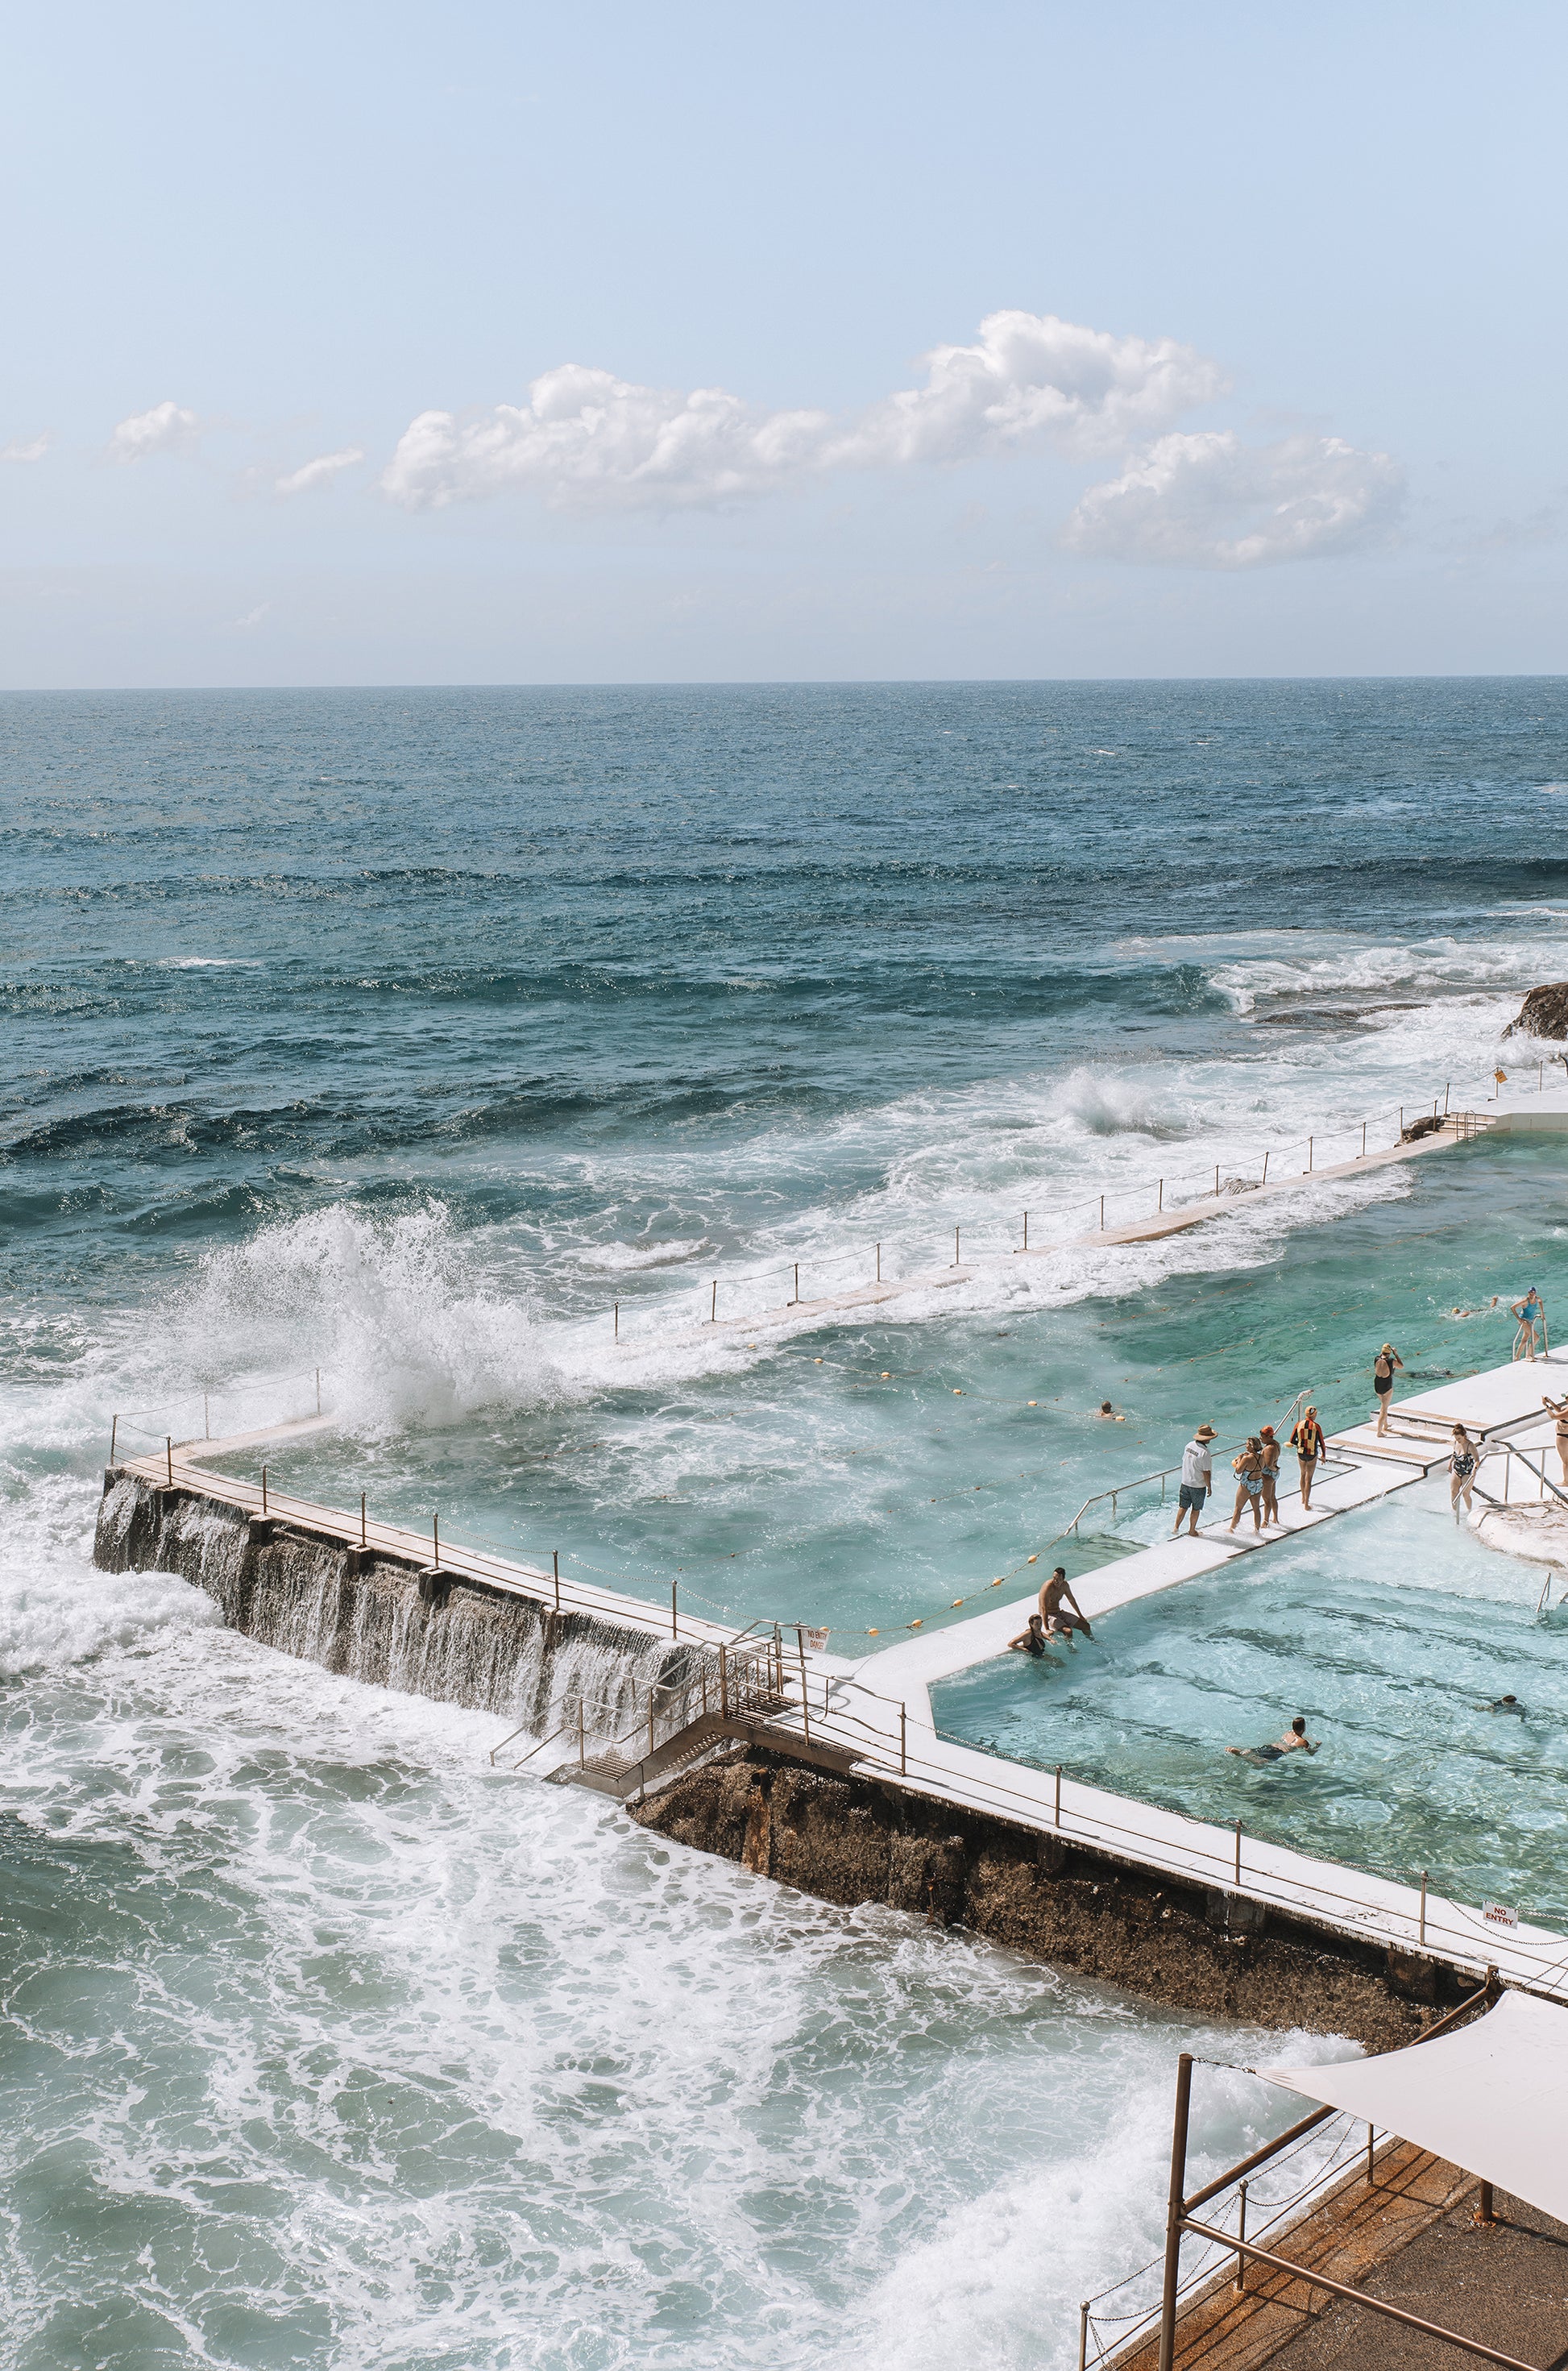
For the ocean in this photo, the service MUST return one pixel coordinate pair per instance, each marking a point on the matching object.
(472, 1046)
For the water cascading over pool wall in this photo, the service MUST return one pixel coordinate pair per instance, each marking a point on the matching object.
(364, 1614)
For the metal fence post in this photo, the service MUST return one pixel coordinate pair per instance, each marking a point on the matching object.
(1083, 2338)
(1058, 1794)
(1242, 2234)
(904, 1740)
(169, 1453)
(361, 1518)
(1173, 2212)
(675, 1622)
(805, 1700)
(1238, 1852)
(555, 1567)
(113, 1431)
(263, 1489)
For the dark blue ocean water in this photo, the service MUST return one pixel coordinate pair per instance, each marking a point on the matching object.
(403, 1034)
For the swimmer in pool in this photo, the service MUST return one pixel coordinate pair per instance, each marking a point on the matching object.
(1031, 1641)
(1507, 1704)
(1295, 1736)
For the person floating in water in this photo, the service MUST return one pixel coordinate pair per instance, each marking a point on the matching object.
(1463, 1460)
(1105, 1408)
(1530, 1314)
(1059, 1609)
(1031, 1641)
(1507, 1704)
(1294, 1737)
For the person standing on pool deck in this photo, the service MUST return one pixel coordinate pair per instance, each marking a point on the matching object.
(1530, 1314)
(1463, 1460)
(1386, 1364)
(1295, 1736)
(1057, 1622)
(1307, 1440)
(1268, 1449)
(1558, 1411)
(1197, 1479)
(1249, 1471)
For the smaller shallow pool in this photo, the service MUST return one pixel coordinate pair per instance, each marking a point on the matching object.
(1393, 1630)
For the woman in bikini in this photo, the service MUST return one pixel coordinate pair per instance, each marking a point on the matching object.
(1307, 1440)
(1387, 1364)
(1463, 1460)
(1558, 1411)
(1249, 1471)
(1268, 1449)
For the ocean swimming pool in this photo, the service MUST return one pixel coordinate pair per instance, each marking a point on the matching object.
(1393, 1629)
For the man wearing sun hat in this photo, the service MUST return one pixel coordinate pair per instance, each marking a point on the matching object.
(1197, 1478)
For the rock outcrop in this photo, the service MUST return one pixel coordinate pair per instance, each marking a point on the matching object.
(852, 1839)
(1544, 1013)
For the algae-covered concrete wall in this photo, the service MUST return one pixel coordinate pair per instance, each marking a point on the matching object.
(859, 1839)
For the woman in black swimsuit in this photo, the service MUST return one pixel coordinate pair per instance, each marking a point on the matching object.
(1463, 1461)
(1389, 1362)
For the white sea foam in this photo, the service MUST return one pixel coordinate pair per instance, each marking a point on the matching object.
(452, 2067)
(618, 1257)
(400, 1312)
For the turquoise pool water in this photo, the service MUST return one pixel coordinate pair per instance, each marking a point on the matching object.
(1393, 1629)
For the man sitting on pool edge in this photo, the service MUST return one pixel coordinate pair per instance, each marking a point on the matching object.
(1295, 1735)
(1059, 1622)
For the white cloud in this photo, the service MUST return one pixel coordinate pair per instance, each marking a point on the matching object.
(320, 471)
(26, 448)
(167, 428)
(585, 438)
(1208, 501)
(254, 617)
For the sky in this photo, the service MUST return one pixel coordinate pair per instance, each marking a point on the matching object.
(375, 344)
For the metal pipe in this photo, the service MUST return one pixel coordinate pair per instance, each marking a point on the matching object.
(1446, 1100)
(1242, 2234)
(1160, 1204)
(1421, 1930)
(674, 1620)
(1362, 1154)
(1265, 1168)
(805, 1701)
(555, 1567)
(169, 1453)
(955, 1246)
(1338, 2289)
(904, 1740)
(435, 1534)
(649, 1724)
(714, 1304)
(1370, 2143)
(362, 1520)
(1058, 1794)
(1173, 2212)
(794, 1302)
(1238, 1852)
(1083, 2338)
(1309, 1143)
(582, 1736)
(617, 1321)
(1216, 1181)
(263, 1489)
(723, 1683)
(879, 1263)
(1026, 1231)
(1485, 2209)
(113, 1429)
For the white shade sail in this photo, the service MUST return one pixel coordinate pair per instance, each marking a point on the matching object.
(1492, 2098)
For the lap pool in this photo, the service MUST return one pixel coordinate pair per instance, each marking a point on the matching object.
(1393, 1629)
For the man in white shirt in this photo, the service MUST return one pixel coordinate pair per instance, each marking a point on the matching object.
(1197, 1478)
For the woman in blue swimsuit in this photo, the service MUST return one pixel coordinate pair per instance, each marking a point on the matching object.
(1249, 1471)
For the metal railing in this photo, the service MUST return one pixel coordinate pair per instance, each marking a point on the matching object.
(742, 1681)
